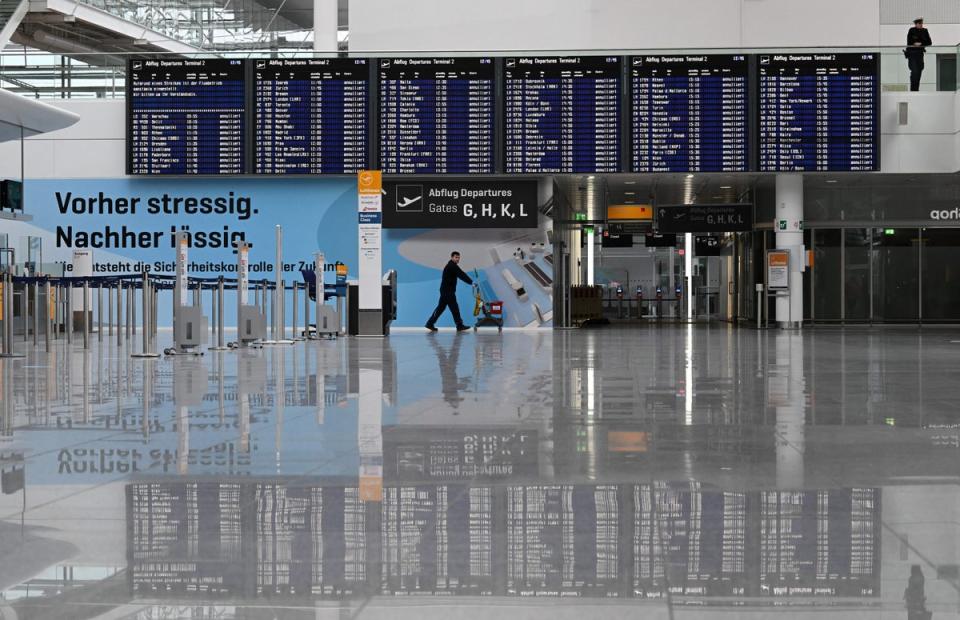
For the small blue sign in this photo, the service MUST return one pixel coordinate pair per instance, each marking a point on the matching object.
(371, 217)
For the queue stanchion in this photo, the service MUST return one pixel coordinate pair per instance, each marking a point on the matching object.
(25, 312)
(109, 310)
(86, 317)
(6, 312)
(128, 327)
(57, 298)
(306, 312)
(99, 311)
(68, 320)
(218, 304)
(213, 314)
(293, 328)
(47, 290)
(36, 313)
(119, 313)
(145, 351)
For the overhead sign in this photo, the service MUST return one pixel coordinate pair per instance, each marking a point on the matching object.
(778, 270)
(369, 189)
(705, 218)
(706, 245)
(630, 212)
(495, 203)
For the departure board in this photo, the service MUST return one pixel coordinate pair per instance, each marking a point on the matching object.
(689, 113)
(562, 114)
(185, 116)
(818, 112)
(311, 115)
(436, 115)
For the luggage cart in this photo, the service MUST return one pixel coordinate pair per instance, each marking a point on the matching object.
(491, 310)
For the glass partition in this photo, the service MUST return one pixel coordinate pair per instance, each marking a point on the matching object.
(827, 293)
(856, 274)
(896, 275)
(941, 274)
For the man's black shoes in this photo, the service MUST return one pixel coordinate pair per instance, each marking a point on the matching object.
(463, 328)
(431, 328)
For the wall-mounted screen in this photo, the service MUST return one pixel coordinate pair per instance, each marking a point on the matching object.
(562, 114)
(436, 115)
(818, 112)
(186, 116)
(689, 113)
(311, 115)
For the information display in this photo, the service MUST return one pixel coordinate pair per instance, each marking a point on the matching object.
(311, 115)
(562, 114)
(436, 115)
(185, 116)
(818, 112)
(689, 113)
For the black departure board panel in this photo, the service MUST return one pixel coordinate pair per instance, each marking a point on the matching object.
(311, 115)
(818, 112)
(689, 113)
(186, 116)
(436, 115)
(562, 114)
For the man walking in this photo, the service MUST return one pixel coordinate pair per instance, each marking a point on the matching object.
(448, 293)
(918, 40)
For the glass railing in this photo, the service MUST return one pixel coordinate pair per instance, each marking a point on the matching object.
(43, 75)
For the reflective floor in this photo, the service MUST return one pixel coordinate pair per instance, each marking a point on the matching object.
(650, 472)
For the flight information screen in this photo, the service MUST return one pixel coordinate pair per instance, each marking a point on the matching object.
(562, 114)
(437, 115)
(185, 116)
(819, 112)
(689, 113)
(311, 115)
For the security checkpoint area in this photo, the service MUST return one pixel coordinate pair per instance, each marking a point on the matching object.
(367, 309)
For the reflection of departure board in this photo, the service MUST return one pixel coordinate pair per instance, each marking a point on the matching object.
(689, 113)
(562, 114)
(819, 112)
(691, 539)
(436, 115)
(562, 540)
(437, 539)
(310, 540)
(187, 538)
(185, 116)
(820, 543)
(311, 115)
(445, 454)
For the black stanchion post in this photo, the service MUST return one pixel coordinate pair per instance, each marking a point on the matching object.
(36, 312)
(119, 313)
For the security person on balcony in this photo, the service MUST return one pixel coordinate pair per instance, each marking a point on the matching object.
(918, 40)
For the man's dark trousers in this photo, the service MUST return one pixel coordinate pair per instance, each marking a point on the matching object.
(915, 62)
(447, 300)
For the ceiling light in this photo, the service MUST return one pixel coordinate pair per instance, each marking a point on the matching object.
(831, 180)
(726, 187)
(689, 176)
(629, 182)
(630, 193)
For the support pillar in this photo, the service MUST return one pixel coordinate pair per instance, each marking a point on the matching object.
(325, 25)
(789, 236)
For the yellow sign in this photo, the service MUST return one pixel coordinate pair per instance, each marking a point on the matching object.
(369, 182)
(52, 302)
(630, 212)
(341, 270)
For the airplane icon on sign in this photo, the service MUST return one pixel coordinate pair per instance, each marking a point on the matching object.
(408, 201)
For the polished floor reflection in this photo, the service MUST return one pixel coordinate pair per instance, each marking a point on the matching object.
(654, 472)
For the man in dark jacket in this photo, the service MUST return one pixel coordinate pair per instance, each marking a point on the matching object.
(448, 293)
(918, 39)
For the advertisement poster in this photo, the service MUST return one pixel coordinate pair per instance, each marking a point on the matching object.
(130, 226)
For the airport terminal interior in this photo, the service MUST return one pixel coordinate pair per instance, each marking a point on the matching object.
(365, 309)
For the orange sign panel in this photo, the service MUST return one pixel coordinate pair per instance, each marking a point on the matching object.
(371, 488)
(627, 441)
(369, 182)
(629, 212)
(778, 259)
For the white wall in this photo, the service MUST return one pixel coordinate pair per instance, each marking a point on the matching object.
(388, 25)
(93, 148)
(929, 142)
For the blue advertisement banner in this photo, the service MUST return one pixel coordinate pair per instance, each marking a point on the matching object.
(130, 225)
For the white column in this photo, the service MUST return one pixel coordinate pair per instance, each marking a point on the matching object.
(786, 388)
(325, 18)
(590, 242)
(787, 225)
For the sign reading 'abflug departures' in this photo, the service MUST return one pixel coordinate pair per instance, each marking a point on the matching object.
(460, 204)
